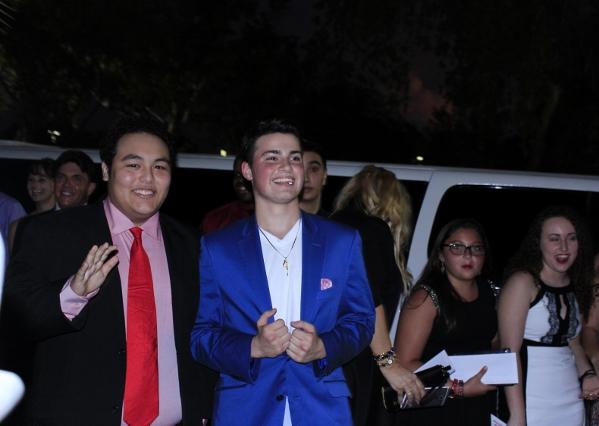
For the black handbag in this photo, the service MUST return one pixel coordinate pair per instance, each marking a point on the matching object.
(433, 379)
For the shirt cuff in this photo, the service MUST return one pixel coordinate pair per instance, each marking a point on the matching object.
(71, 303)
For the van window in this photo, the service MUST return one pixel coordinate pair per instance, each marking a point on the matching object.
(506, 214)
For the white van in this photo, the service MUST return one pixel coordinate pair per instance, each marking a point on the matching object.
(504, 202)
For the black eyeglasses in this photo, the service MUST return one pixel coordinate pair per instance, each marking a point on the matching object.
(459, 249)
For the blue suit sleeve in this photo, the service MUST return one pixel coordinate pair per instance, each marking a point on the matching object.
(355, 324)
(220, 348)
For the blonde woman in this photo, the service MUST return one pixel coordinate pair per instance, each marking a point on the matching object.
(377, 204)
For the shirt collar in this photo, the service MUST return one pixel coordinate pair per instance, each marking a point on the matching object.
(119, 223)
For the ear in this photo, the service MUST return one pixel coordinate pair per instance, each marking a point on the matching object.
(441, 257)
(105, 172)
(324, 178)
(91, 188)
(246, 171)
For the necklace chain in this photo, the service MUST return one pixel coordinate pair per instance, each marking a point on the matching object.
(285, 262)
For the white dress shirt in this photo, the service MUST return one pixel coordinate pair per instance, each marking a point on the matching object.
(284, 285)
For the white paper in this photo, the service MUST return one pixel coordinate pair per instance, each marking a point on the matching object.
(502, 368)
(495, 421)
(440, 359)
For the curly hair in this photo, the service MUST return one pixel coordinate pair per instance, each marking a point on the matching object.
(529, 257)
(434, 276)
(377, 192)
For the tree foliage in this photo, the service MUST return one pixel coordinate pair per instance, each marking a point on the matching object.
(188, 62)
(515, 83)
(521, 77)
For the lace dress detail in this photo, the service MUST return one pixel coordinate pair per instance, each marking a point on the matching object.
(548, 363)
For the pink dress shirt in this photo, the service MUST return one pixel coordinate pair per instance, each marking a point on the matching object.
(168, 376)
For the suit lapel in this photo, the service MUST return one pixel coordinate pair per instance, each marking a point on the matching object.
(111, 289)
(184, 287)
(312, 260)
(250, 252)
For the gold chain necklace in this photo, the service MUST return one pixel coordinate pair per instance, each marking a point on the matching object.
(285, 262)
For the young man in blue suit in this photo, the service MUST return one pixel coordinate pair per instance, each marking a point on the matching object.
(284, 299)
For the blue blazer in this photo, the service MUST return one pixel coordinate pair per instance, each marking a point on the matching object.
(234, 294)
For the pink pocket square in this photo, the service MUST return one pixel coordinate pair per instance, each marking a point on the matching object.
(325, 284)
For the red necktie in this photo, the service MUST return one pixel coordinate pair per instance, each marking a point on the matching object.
(141, 381)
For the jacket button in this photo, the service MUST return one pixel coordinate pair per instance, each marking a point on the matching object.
(280, 397)
(116, 408)
(122, 351)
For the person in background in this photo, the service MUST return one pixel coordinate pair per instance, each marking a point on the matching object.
(11, 385)
(40, 188)
(108, 293)
(315, 178)
(590, 342)
(452, 308)
(40, 185)
(10, 210)
(284, 299)
(548, 285)
(74, 180)
(378, 206)
(235, 210)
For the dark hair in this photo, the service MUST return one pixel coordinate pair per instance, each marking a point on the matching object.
(266, 127)
(85, 163)
(45, 167)
(310, 146)
(529, 257)
(435, 277)
(239, 158)
(134, 124)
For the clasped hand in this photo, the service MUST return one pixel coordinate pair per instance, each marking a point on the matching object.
(302, 345)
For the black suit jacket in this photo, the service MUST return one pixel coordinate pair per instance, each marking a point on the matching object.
(385, 280)
(79, 365)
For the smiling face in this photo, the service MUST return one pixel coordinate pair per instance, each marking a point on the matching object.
(40, 187)
(72, 186)
(140, 176)
(559, 245)
(464, 267)
(277, 171)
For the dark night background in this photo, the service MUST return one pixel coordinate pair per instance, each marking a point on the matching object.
(509, 84)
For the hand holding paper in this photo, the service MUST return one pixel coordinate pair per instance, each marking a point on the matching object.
(501, 367)
(474, 385)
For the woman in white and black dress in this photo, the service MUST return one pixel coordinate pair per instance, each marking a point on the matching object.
(549, 279)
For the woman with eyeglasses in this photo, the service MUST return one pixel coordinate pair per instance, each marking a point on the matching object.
(548, 285)
(453, 308)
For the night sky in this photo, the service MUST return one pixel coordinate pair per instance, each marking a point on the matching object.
(509, 86)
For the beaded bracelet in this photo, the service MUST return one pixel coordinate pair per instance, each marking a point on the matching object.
(457, 389)
(385, 359)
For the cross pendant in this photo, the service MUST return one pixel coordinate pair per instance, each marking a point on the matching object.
(286, 265)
